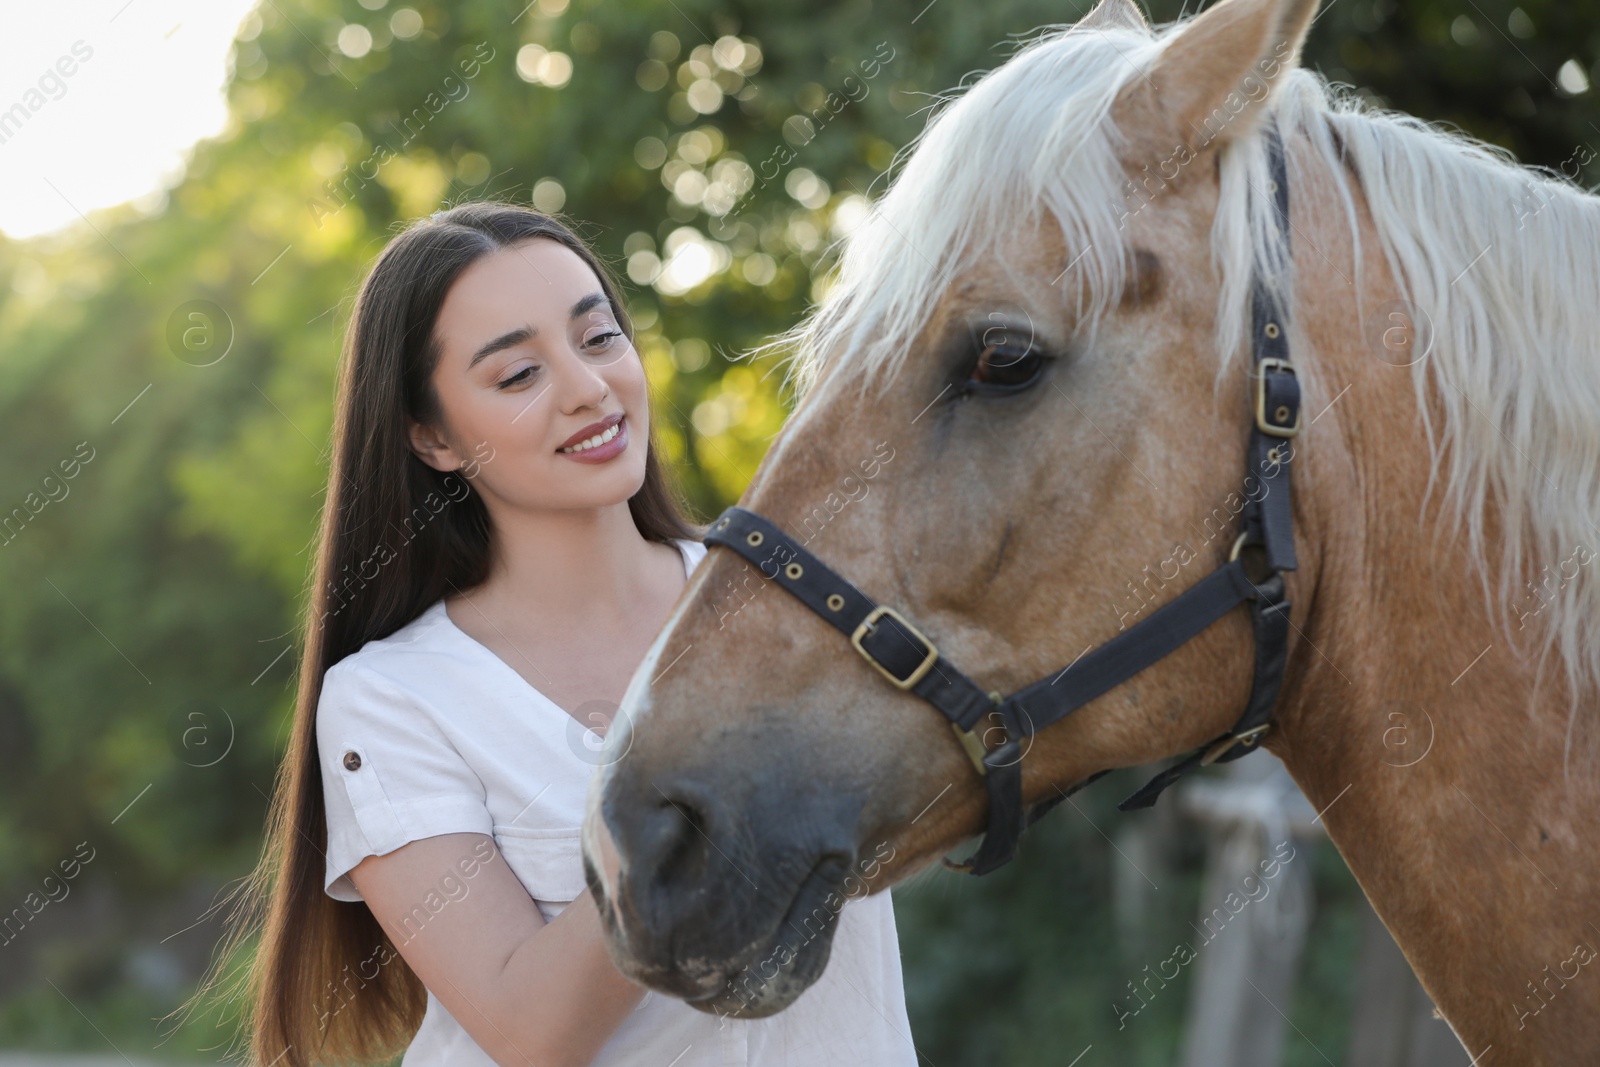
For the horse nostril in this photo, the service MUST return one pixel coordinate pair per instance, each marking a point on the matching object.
(692, 816)
(676, 837)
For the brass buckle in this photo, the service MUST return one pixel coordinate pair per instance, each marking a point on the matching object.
(1261, 399)
(977, 752)
(1233, 555)
(1220, 749)
(974, 746)
(866, 627)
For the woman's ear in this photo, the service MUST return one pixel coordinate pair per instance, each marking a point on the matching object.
(430, 446)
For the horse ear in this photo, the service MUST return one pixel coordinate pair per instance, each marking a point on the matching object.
(1115, 15)
(1211, 83)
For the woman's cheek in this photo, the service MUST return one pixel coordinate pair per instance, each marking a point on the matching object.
(632, 385)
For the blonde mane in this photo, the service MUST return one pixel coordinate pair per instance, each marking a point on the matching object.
(1500, 260)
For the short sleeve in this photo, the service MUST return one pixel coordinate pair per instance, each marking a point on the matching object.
(693, 553)
(390, 775)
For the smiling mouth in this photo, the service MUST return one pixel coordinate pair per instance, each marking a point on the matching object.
(596, 440)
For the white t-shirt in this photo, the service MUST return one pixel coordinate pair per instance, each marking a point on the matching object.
(428, 732)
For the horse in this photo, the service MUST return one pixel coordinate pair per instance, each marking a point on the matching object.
(1022, 408)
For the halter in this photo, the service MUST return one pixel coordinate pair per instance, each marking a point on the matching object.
(911, 662)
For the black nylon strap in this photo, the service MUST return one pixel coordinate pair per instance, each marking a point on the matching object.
(1275, 394)
(899, 651)
(1147, 794)
(1098, 672)
(772, 550)
(1270, 619)
(839, 603)
(1007, 819)
(1131, 651)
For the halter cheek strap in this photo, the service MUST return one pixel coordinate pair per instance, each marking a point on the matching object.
(910, 661)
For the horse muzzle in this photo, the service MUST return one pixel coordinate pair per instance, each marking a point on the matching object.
(719, 887)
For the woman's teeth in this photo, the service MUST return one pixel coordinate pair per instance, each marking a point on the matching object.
(594, 442)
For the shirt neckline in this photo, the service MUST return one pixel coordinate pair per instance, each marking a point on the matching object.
(438, 609)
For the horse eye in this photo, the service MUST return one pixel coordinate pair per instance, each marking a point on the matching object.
(1005, 365)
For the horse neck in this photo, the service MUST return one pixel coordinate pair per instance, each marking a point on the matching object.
(1437, 751)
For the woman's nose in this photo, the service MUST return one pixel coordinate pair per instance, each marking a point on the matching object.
(581, 385)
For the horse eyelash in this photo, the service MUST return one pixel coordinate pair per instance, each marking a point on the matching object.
(965, 388)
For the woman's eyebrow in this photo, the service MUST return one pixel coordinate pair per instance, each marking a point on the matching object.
(515, 337)
(506, 340)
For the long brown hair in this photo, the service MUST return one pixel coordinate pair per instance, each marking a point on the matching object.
(307, 991)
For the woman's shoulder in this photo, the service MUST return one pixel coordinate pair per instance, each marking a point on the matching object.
(427, 635)
(412, 661)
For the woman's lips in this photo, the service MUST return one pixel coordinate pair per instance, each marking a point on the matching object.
(611, 435)
(591, 430)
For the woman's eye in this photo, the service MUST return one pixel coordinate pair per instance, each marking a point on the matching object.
(1006, 365)
(522, 375)
(608, 338)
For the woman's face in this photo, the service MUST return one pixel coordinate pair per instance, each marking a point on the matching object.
(544, 400)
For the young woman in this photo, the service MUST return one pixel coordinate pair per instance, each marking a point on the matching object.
(498, 548)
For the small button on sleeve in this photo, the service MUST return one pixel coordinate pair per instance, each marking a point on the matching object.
(390, 774)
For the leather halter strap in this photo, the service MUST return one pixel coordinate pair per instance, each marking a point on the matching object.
(911, 662)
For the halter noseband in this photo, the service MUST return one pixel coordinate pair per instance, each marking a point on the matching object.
(910, 661)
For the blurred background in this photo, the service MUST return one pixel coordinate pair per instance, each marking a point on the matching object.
(189, 195)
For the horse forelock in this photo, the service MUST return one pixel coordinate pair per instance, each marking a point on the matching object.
(1030, 132)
